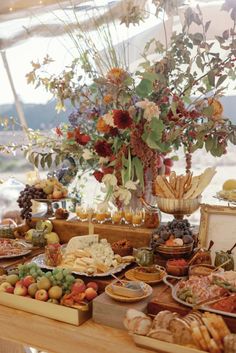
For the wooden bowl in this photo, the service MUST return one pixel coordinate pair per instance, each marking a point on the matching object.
(151, 273)
(175, 252)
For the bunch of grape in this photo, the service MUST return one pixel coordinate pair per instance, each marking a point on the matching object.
(177, 228)
(30, 270)
(24, 200)
(62, 278)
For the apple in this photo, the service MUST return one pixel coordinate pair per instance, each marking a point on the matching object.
(90, 293)
(57, 194)
(55, 292)
(92, 285)
(10, 290)
(43, 283)
(20, 289)
(42, 295)
(53, 301)
(78, 287)
(4, 286)
(28, 280)
(12, 279)
(32, 289)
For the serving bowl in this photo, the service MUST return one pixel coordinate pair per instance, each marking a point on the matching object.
(175, 252)
(178, 207)
(200, 270)
(151, 273)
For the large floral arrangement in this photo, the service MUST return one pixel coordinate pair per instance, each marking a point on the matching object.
(127, 127)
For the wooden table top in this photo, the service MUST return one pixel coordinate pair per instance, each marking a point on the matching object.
(57, 337)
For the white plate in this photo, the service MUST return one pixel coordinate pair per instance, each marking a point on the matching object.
(39, 260)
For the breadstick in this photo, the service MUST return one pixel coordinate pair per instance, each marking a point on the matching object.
(168, 193)
(158, 190)
(181, 186)
(172, 180)
(177, 186)
(168, 185)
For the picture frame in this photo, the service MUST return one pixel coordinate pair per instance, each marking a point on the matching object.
(218, 223)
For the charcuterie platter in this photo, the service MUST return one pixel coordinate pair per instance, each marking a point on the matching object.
(212, 293)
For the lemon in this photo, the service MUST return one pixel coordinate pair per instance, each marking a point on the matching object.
(229, 184)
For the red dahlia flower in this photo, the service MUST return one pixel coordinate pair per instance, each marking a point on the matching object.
(82, 139)
(122, 119)
(103, 148)
(98, 175)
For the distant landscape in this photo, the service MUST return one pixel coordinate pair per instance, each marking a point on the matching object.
(44, 116)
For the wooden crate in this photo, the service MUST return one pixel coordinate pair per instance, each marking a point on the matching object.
(62, 313)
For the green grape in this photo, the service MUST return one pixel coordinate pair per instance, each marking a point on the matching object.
(55, 271)
(66, 272)
(32, 271)
(48, 274)
(70, 278)
(59, 276)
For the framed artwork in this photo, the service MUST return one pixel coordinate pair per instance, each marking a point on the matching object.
(218, 223)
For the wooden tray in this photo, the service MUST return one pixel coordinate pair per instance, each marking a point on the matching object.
(62, 313)
(151, 343)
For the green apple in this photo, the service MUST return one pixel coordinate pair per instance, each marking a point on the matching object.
(29, 234)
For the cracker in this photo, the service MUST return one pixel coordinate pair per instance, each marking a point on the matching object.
(204, 181)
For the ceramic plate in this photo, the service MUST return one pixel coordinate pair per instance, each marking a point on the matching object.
(39, 260)
(119, 298)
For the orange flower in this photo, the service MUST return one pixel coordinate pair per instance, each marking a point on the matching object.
(102, 126)
(217, 108)
(107, 99)
(70, 135)
(116, 75)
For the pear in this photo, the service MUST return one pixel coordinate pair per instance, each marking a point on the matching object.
(52, 238)
(29, 234)
(48, 189)
(45, 226)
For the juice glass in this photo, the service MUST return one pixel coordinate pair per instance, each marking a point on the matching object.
(82, 213)
(137, 218)
(100, 216)
(128, 215)
(116, 217)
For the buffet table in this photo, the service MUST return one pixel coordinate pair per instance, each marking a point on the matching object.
(57, 337)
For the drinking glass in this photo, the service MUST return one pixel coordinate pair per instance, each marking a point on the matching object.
(82, 213)
(116, 216)
(137, 217)
(128, 215)
(100, 216)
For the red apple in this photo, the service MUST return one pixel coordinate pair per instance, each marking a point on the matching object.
(28, 280)
(168, 162)
(42, 295)
(90, 293)
(4, 286)
(20, 289)
(78, 287)
(10, 290)
(92, 285)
